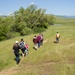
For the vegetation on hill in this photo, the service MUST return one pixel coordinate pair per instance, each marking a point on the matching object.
(49, 59)
(24, 22)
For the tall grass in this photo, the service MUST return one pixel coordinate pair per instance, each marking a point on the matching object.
(49, 59)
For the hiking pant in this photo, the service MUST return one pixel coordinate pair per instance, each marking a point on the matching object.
(23, 50)
(17, 58)
(57, 40)
(39, 43)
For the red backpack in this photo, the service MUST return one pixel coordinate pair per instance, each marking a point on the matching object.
(26, 46)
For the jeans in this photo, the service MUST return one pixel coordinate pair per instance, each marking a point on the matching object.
(17, 58)
(57, 40)
(39, 43)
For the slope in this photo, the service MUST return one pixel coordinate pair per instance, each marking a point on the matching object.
(49, 59)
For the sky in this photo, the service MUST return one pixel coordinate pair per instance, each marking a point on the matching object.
(56, 7)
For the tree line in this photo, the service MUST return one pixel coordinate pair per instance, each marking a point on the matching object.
(24, 22)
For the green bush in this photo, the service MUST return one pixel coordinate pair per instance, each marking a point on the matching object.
(38, 30)
(26, 31)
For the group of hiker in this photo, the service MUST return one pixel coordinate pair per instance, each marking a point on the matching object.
(37, 40)
(20, 46)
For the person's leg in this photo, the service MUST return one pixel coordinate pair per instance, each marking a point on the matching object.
(39, 44)
(17, 58)
(26, 51)
(23, 52)
(57, 40)
(36, 45)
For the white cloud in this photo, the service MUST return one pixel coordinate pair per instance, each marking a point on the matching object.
(32, 3)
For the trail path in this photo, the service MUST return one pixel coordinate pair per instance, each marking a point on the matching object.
(14, 70)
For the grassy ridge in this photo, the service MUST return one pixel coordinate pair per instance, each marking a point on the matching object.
(49, 59)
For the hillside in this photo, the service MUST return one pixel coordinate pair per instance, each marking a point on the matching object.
(66, 16)
(49, 59)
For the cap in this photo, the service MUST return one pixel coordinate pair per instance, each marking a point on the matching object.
(16, 41)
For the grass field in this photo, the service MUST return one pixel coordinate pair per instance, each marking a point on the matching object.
(49, 59)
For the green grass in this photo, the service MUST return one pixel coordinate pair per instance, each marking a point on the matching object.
(49, 59)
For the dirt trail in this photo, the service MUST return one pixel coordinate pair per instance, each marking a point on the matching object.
(14, 70)
(8, 71)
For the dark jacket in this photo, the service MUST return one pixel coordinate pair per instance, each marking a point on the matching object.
(16, 48)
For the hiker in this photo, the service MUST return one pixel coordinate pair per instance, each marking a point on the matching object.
(57, 37)
(26, 49)
(39, 40)
(35, 42)
(22, 47)
(16, 48)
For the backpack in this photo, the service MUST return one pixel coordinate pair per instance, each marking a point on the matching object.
(58, 35)
(22, 45)
(26, 46)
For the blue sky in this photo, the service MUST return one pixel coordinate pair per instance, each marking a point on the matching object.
(56, 7)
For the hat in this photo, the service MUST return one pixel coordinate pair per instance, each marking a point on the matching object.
(16, 41)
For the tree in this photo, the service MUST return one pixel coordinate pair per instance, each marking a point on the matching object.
(25, 21)
(51, 19)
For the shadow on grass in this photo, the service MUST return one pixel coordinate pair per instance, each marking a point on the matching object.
(55, 42)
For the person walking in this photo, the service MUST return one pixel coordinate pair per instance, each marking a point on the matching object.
(22, 47)
(57, 37)
(26, 50)
(16, 48)
(39, 40)
(35, 42)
